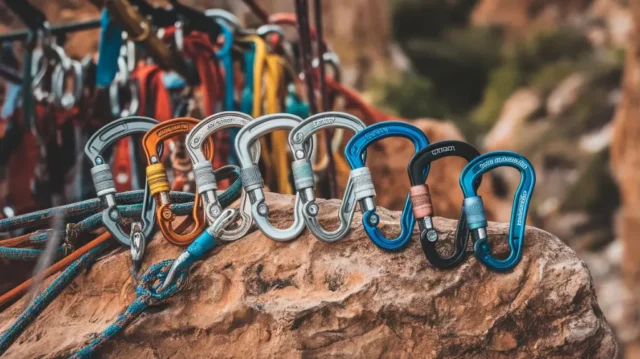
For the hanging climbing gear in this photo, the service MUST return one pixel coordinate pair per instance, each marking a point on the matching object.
(205, 177)
(252, 179)
(423, 207)
(364, 189)
(159, 182)
(473, 207)
(304, 177)
(105, 186)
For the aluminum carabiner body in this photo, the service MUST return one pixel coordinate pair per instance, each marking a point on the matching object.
(252, 178)
(102, 176)
(304, 178)
(159, 182)
(473, 207)
(423, 208)
(205, 177)
(363, 186)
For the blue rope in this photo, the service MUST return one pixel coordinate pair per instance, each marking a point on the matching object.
(47, 296)
(24, 254)
(147, 294)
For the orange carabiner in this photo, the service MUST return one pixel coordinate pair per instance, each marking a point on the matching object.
(159, 182)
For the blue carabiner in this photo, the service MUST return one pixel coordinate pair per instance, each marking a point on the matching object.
(225, 56)
(474, 208)
(354, 152)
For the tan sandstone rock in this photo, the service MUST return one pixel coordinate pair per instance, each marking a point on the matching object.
(257, 298)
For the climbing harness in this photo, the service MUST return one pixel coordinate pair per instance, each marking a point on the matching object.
(304, 178)
(364, 188)
(473, 207)
(423, 207)
(105, 186)
(252, 179)
(205, 177)
(159, 182)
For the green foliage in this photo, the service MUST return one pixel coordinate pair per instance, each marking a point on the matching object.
(548, 77)
(503, 82)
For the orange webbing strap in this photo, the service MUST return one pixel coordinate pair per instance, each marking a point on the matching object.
(20, 290)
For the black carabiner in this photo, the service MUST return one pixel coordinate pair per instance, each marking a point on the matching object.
(423, 208)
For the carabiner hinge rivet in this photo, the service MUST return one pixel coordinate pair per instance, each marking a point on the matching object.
(114, 214)
(374, 219)
(313, 209)
(263, 209)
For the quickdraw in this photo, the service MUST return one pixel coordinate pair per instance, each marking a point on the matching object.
(364, 188)
(252, 179)
(423, 208)
(159, 182)
(304, 177)
(473, 207)
(205, 178)
(105, 186)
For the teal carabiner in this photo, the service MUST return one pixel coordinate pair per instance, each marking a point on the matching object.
(226, 58)
(363, 184)
(473, 207)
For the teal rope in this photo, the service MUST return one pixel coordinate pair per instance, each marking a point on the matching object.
(24, 254)
(47, 296)
(147, 294)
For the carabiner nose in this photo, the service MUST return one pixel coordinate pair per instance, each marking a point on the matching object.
(303, 172)
(423, 208)
(363, 185)
(252, 179)
(474, 208)
(205, 177)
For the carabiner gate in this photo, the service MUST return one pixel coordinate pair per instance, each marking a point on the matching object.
(252, 178)
(159, 182)
(423, 208)
(363, 183)
(473, 207)
(304, 178)
(205, 178)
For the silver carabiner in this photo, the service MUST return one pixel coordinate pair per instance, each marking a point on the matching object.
(304, 178)
(252, 179)
(62, 98)
(206, 181)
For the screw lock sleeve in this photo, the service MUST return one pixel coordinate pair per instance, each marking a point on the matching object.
(474, 212)
(205, 177)
(157, 178)
(251, 178)
(303, 174)
(362, 183)
(103, 179)
(421, 200)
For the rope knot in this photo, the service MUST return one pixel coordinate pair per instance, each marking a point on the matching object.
(149, 286)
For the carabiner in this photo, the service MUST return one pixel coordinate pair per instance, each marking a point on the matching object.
(304, 178)
(423, 208)
(363, 184)
(205, 178)
(473, 207)
(252, 179)
(102, 176)
(159, 182)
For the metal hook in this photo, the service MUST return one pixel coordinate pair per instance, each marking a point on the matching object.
(252, 179)
(303, 172)
(474, 208)
(421, 200)
(206, 181)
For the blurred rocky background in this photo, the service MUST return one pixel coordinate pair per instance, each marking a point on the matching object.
(556, 80)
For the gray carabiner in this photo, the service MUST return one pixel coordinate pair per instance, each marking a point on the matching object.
(303, 173)
(123, 79)
(252, 179)
(103, 177)
(206, 181)
(62, 98)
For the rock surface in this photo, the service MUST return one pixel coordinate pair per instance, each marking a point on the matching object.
(257, 298)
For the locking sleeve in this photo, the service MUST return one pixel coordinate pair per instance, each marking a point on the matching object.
(205, 177)
(251, 178)
(362, 183)
(157, 178)
(303, 174)
(103, 179)
(474, 212)
(421, 200)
